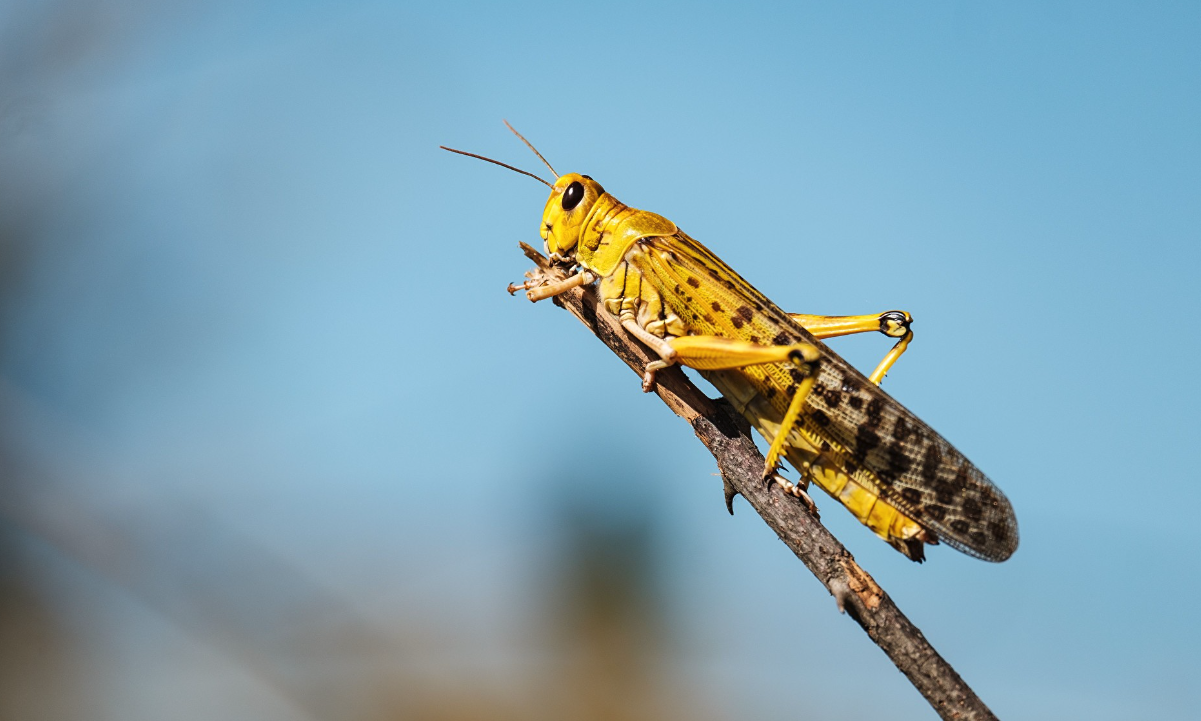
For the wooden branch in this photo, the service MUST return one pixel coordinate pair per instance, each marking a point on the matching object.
(727, 436)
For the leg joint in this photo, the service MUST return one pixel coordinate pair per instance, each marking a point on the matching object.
(895, 323)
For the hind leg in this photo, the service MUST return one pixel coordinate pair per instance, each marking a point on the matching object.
(893, 323)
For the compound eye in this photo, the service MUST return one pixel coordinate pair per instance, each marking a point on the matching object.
(573, 195)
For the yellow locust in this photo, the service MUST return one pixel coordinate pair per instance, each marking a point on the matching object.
(833, 424)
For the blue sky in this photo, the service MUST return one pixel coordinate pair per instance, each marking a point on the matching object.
(247, 282)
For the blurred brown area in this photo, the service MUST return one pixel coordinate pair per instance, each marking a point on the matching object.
(608, 623)
(36, 662)
(601, 646)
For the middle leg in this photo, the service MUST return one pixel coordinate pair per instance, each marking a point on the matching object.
(717, 353)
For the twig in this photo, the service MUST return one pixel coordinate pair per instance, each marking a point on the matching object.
(727, 436)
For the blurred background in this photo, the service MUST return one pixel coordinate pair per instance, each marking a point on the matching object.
(275, 444)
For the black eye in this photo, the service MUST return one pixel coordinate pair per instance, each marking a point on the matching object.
(573, 195)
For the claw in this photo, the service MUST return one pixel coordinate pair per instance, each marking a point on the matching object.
(769, 472)
(797, 491)
(769, 478)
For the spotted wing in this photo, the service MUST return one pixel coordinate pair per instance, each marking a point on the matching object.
(877, 440)
(914, 468)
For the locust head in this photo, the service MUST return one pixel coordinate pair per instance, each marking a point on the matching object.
(571, 201)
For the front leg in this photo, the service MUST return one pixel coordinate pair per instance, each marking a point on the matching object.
(552, 288)
(893, 323)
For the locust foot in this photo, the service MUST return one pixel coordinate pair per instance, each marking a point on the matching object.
(796, 491)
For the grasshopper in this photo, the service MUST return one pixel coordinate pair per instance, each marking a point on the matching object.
(834, 425)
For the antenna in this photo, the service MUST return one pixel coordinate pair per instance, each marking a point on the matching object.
(503, 165)
(529, 145)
